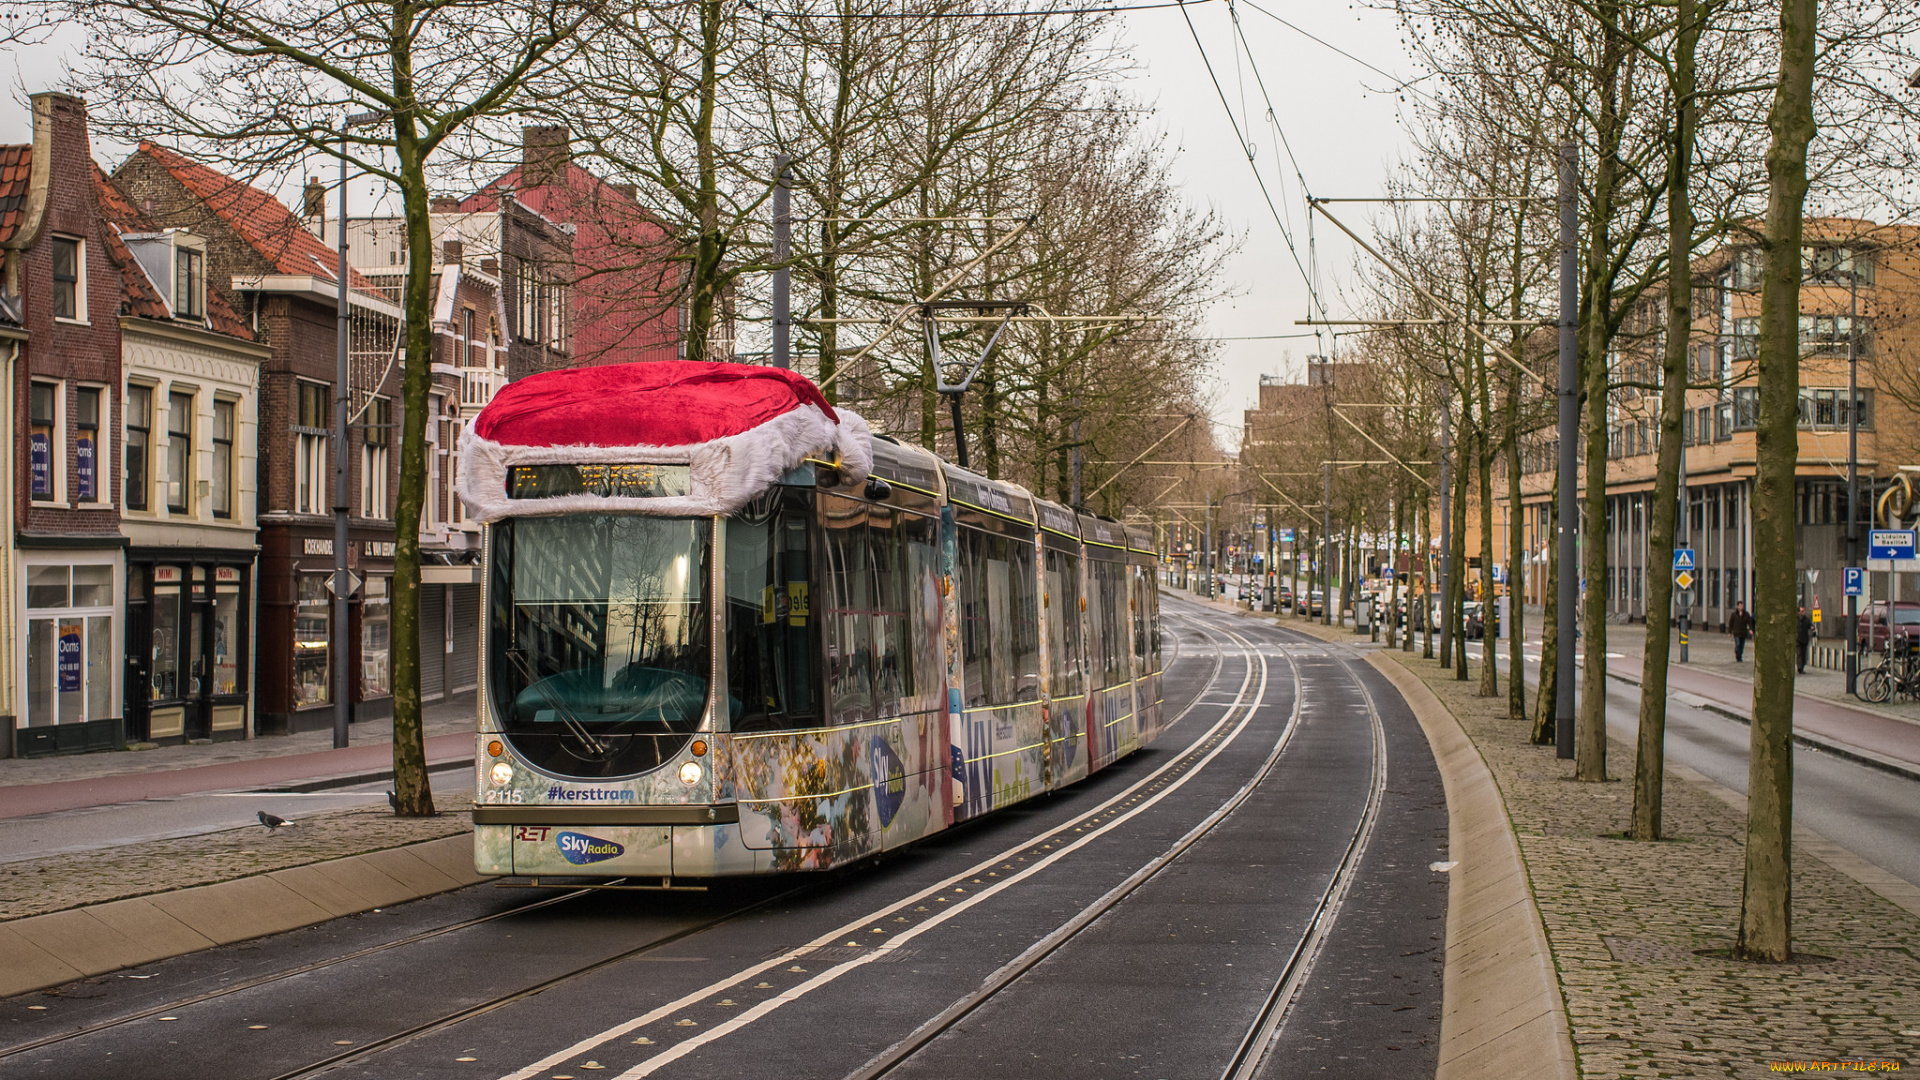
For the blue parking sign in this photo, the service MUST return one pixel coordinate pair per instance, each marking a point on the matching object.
(1856, 580)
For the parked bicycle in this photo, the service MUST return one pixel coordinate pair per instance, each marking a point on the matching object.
(1896, 674)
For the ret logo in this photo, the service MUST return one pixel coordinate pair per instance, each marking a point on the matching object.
(581, 849)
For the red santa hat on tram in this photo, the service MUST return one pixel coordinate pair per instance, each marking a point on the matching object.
(738, 427)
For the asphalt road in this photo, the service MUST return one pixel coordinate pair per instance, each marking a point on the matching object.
(1870, 812)
(1335, 821)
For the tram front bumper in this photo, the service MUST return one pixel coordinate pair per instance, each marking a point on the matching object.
(566, 848)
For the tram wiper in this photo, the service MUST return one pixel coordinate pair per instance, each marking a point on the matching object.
(519, 658)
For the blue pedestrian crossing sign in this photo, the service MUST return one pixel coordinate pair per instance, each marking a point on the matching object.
(1682, 559)
(1856, 580)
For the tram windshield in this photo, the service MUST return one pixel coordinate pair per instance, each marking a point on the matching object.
(598, 639)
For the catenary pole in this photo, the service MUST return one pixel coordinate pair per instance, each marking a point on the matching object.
(337, 640)
(782, 251)
(1853, 468)
(1569, 571)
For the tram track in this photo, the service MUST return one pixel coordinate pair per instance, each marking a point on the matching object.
(1118, 809)
(374, 1047)
(1261, 1034)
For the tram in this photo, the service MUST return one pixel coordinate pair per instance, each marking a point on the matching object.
(729, 631)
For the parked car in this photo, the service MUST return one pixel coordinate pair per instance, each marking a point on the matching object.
(1286, 598)
(1314, 602)
(1873, 630)
(1474, 617)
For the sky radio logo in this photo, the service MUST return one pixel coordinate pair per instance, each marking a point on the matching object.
(581, 849)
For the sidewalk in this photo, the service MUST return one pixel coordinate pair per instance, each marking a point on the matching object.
(1639, 932)
(49, 785)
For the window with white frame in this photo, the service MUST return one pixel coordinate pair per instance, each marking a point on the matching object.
(179, 453)
(69, 278)
(222, 478)
(189, 283)
(373, 458)
(46, 452)
(456, 511)
(137, 449)
(87, 447)
(310, 444)
(70, 643)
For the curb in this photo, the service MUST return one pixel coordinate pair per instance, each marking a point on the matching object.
(1854, 754)
(1502, 1011)
(47, 950)
(327, 783)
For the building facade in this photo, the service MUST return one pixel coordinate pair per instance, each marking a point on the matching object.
(279, 277)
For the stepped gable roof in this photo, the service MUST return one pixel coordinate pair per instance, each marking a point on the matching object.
(16, 167)
(261, 220)
(138, 295)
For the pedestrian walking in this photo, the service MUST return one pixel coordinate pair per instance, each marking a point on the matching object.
(1740, 625)
(1802, 637)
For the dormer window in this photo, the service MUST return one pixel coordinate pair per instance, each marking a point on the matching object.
(189, 283)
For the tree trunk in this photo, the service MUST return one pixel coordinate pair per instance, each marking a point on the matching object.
(1457, 557)
(1590, 729)
(1489, 652)
(710, 250)
(1516, 546)
(1649, 763)
(1546, 707)
(1426, 575)
(1766, 908)
(412, 795)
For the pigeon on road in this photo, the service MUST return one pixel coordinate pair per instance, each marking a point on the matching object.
(272, 821)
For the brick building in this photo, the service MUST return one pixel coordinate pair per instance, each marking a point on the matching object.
(190, 440)
(627, 296)
(280, 278)
(66, 575)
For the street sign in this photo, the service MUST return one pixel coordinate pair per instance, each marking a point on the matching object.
(1856, 581)
(1683, 580)
(353, 584)
(1890, 544)
(1682, 559)
(1286, 536)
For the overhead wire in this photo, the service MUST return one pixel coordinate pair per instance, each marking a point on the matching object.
(1024, 13)
(1266, 194)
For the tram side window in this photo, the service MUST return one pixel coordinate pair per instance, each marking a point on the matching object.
(1153, 626)
(1063, 624)
(999, 619)
(892, 653)
(1110, 594)
(848, 574)
(920, 635)
(772, 630)
(1137, 605)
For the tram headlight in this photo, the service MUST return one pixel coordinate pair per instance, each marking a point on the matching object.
(690, 773)
(502, 774)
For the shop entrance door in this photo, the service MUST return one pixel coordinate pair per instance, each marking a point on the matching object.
(199, 718)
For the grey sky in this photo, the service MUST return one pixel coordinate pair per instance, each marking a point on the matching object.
(1339, 117)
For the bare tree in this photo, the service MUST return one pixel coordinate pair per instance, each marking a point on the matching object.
(258, 85)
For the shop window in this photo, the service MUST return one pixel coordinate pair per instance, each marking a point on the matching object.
(376, 639)
(310, 451)
(139, 426)
(43, 438)
(226, 630)
(179, 452)
(86, 445)
(69, 278)
(222, 478)
(165, 667)
(69, 644)
(312, 620)
(373, 459)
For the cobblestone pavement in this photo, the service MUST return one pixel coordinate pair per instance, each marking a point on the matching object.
(440, 718)
(37, 886)
(1633, 926)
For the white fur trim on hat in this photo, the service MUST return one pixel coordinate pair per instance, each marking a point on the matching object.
(724, 474)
